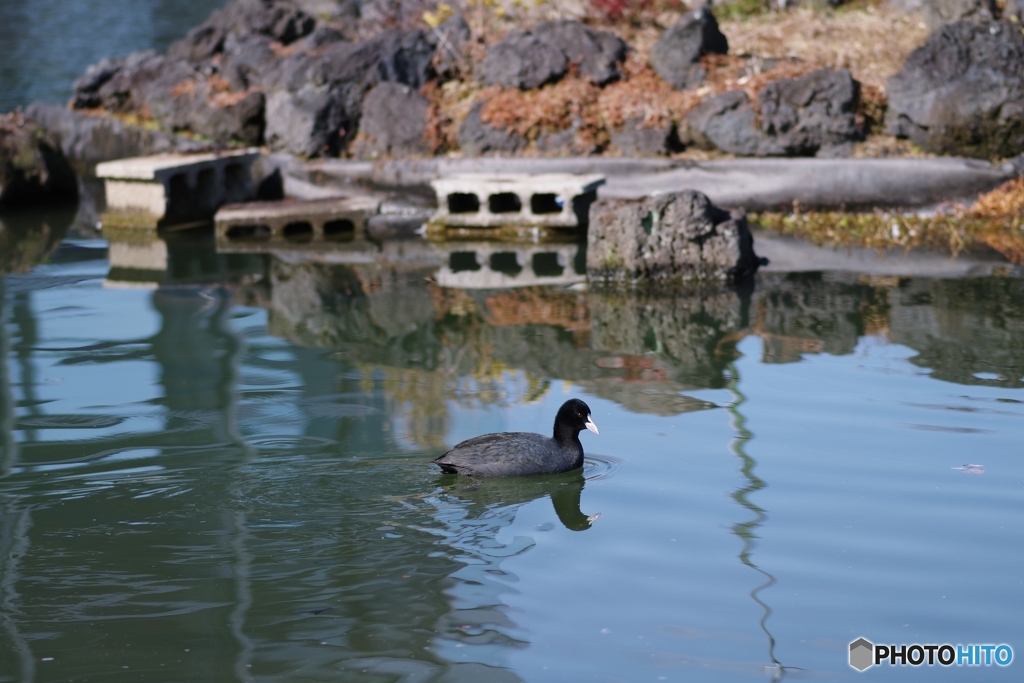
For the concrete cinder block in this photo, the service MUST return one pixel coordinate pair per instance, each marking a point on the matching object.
(559, 200)
(319, 225)
(163, 190)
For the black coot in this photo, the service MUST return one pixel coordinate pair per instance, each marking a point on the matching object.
(517, 454)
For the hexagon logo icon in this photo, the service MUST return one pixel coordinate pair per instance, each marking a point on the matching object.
(861, 654)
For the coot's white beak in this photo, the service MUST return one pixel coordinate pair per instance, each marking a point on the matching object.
(591, 426)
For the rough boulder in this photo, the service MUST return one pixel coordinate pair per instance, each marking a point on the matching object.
(962, 92)
(666, 239)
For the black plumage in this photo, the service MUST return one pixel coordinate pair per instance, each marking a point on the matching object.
(517, 454)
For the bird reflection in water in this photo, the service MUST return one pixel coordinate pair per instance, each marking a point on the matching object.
(564, 490)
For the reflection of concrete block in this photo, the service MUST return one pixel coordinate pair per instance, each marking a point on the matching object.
(151, 255)
(140, 263)
(861, 654)
(172, 189)
(496, 265)
(560, 200)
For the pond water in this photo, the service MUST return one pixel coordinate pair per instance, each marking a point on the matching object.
(46, 44)
(223, 474)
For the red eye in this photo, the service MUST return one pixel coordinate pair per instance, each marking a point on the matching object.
(579, 414)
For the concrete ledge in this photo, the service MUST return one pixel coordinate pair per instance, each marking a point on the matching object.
(762, 184)
(756, 184)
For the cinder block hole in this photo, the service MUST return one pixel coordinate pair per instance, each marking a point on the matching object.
(178, 192)
(545, 264)
(299, 231)
(460, 261)
(208, 195)
(463, 202)
(341, 230)
(506, 262)
(504, 202)
(236, 183)
(249, 232)
(546, 203)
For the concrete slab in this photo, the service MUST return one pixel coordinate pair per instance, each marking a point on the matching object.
(168, 189)
(263, 227)
(498, 199)
(763, 184)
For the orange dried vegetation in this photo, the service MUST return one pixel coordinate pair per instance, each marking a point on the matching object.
(551, 108)
(1003, 208)
(539, 307)
(185, 87)
(1005, 201)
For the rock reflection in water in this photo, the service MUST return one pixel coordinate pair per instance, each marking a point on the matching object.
(28, 238)
(968, 331)
(436, 344)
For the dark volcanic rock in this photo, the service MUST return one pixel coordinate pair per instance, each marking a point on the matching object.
(452, 43)
(675, 57)
(727, 122)
(810, 113)
(939, 12)
(245, 60)
(566, 142)
(279, 20)
(962, 92)
(477, 137)
(107, 83)
(176, 95)
(314, 100)
(394, 121)
(226, 117)
(667, 238)
(405, 57)
(88, 140)
(635, 139)
(33, 171)
(813, 114)
(523, 60)
(598, 53)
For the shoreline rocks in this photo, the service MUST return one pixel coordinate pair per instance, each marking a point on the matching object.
(666, 240)
(33, 170)
(676, 55)
(799, 117)
(962, 92)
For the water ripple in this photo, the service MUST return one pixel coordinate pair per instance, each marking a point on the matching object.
(598, 467)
